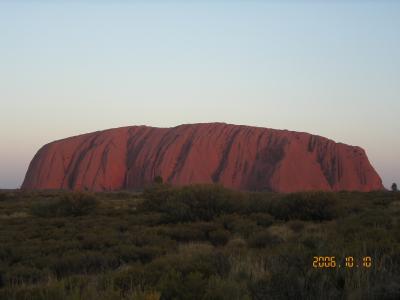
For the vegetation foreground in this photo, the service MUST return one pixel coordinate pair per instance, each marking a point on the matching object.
(197, 242)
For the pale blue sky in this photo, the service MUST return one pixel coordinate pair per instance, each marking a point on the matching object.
(70, 68)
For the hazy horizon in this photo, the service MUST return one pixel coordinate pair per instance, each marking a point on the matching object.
(73, 68)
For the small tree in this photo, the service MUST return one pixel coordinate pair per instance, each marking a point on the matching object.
(158, 179)
(394, 187)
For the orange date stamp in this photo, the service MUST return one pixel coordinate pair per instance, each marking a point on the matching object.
(349, 262)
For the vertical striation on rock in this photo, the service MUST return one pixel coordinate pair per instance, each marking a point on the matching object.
(240, 157)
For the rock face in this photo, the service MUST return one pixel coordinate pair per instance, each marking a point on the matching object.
(240, 157)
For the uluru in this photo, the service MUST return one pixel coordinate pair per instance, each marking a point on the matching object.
(236, 156)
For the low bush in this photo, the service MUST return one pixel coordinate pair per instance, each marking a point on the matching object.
(241, 225)
(48, 292)
(207, 263)
(86, 263)
(296, 225)
(21, 274)
(262, 219)
(226, 289)
(72, 204)
(3, 196)
(186, 233)
(175, 285)
(388, 289)
(311, 206)
(263, 239)
(219, 237)
(130, 253)
(192, 203)
(131, 278)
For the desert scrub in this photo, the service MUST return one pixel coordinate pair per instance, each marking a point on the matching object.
(70, 204)
(310, 206)
(243, 246)
(3, 196)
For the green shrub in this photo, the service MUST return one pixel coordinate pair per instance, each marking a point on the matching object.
(132, 278)
(184, 275)
(296, 225)
(315, 206)
(263, 239)
(207, 263)
(226, 289)
(375, 219)
(280, 286)
(388, 289)
(259, 202)
(260, 289)
(175, 285)
(192, 203)
(186, 233)
(83, 262)
(3, 196)
(229, 221)
(146, 295)
(219, 237)
(241, 225)
(21, 274)
(71, 204)
(131, 253)
(49, 292)
(262, 219)
(78, 282)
